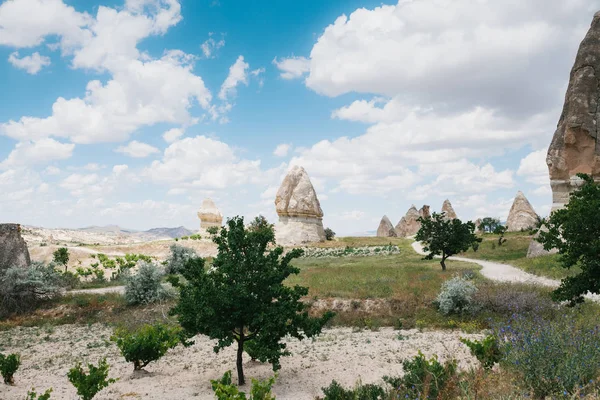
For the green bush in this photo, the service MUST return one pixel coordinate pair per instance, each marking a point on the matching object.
(8, 366)
(145, 287)
(179, 256)
(32, 395)
(225, 390)
(456, 296)
(486, 350)
(335, 391)
(146, 344)
(88, 385)
(329, 234)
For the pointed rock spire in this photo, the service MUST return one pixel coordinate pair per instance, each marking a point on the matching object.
(448, 210)
(409, 224)
(386, 229)
(522, 216)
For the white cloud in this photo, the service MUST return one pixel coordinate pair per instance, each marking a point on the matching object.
(210, 46)
(542, 190)
(238, 73)
(137, 149)
(80, 184)
(292, 67)
(534, 168)
(37, 152)
(354, 215)
(172, 135)
(119, 169)
(51, 170)
(282, 150)
(92, 167)
(32, 64)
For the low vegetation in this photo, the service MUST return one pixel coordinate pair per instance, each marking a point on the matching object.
(89, 384)
(146, 287)
(8, 366)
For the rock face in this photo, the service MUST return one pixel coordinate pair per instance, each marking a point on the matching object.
(13, 249)
(386, 229)
(536, 249)
(574, 148)
(209, 215)
(299, 210)
(424, 212)
(409, 224)
(448, 210)
(521, 215)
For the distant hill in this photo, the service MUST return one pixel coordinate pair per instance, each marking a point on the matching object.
(106, 229)
(170, 232)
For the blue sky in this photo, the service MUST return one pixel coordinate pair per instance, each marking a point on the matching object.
(131, 112)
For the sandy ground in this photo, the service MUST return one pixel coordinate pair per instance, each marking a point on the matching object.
(342, 354)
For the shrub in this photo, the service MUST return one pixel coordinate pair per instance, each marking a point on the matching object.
(70, 280)
(456, 296)
(88, 385)
(510, 298)
(22, 289)
(329, 234)
(360, 392)
(8, 366)
(550, 356)
(146, 344)
(145, 287)
(32, 395)
(61, 256)
(225, 390)
(486, 350)
(179, 256)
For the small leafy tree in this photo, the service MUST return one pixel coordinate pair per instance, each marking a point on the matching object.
(8, 366)
(242, 297)
(146, 344)
(445, 238)
(489, 224)
(575, 231)
(329, 234)
(61, 256)
(258, 223)
(500, 230)
(32, 395)
(145, 287)
(88, 385)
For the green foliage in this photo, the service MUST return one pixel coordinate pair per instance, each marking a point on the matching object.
(456, 296)
(145, 287)
(242, 297)
(88, 385)
(489, 224)
(32, 395)
(8, 366)
(225, 390)
(146, 344)
(22, 289)
(575, 231)
(70, 280)
(445, 237)
(485, 350)
(329, 234)
(179, 256)
(195, 236)
(259, 223)
(335, 391)
(61, 256)
(500, 230)
(424, 379)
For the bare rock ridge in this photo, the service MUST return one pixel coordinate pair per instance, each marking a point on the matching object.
(424, 212)
(386, 229)
(299, 210)
(409, 224)
(209, 215)
(521, 215)
(574, 148)
(448, 210)
(13, 249)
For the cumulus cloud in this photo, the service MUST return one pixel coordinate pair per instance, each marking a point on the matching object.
(238, 73)
(37, 152)
(292, 67)
(172, 135)
(32, 64)
(534, 168)
(282, 150)
(210, 45)
(137, 149)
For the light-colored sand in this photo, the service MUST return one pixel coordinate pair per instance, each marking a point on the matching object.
(340, 353)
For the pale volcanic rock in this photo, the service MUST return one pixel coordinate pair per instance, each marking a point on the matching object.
(574, 148)
(536, 249)
(409, 224)
(448, 210)
(209, 215)
(299, 210)
(386, 229)
(424, 212)
(13, 249)
(521, 215)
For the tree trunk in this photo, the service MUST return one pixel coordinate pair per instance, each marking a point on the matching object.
(443, 262)
(240, 366)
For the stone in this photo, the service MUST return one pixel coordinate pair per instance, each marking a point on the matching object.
(424, 212)
(536, 249)
(521, 216)
(574, 148)
(386, 229)
(448, 210)
(13, 249)
(209, 215)
(477, 225)
(409, 224)
(299, 210)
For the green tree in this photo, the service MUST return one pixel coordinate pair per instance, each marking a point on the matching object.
(61, 256)
(260, 222)
(445, 238)
(500, 230)
(242, 297)
(489, 224)
(575, 231)
(329, 234)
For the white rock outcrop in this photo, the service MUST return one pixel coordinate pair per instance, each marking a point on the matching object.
(521, 216)
(448, 210)
(386, 229)
(409, 224)
(299, 210)
(209, 215)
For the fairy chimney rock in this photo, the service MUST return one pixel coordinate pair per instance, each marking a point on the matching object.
(521, 215)
(386, 229)
(209, 215)
(424, 212)
(448, 210)
(409, 224)
(574, 148)
(13, 249)
(299, 210)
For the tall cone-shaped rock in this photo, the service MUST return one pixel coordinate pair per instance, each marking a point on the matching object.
(409, 224)
(448, 210)
(521, 215)
(386, 229)
(299, 210)
(209, 215)
(424, 212)
(13, 249)
(574, 148)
